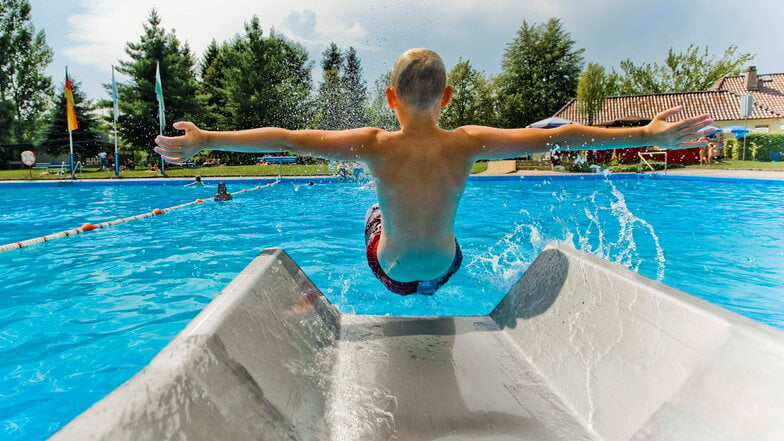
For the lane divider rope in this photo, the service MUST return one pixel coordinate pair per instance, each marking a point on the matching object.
(89, 226)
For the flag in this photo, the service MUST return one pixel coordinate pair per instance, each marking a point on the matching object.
(114, 98)
(159, 95)
(70, 110)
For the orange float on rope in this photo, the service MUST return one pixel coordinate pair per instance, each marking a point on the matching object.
(89, 226)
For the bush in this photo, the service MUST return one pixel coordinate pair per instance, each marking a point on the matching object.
(579, 167)
(736, 147)
(761, 145)
(729, 148)
(639, 167)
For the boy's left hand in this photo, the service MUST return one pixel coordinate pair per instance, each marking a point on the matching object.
(178, 149)
(682, 134)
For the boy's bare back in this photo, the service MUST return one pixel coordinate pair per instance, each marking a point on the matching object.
(422, 170)
(421, 177)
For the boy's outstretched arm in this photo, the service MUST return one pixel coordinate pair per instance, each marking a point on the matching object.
(344, 144)
(494, 143)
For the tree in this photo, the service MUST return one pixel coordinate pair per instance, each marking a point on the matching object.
(377, 112)
(541, 67)
(472, 99)
(211, 88)
(332, 99)
(343, 92)
(691, 70)
(269, 81)
(355, 89)
(591, 90)
(87, 139)
(24, 88)
(138, 122)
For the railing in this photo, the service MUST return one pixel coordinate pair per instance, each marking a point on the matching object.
(640, 154)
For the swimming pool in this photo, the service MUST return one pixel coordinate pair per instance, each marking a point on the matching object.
(81, 315)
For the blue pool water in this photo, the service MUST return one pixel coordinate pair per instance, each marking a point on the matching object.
(81, 315)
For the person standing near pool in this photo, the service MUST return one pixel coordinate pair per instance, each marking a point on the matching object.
(102, 160)
(421, 170)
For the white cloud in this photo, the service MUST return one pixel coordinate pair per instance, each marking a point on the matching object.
(99, 32)
(302, 25)
(477, 30)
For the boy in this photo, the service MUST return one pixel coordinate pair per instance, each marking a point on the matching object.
(421, 169)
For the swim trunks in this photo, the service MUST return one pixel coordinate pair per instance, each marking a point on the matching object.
(372, 238)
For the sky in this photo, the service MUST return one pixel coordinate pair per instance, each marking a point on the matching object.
(89, 36)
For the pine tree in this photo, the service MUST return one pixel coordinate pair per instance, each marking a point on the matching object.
(212, 86)
(377, 112)
(138, 122)
(88, 140)
(24, 87)
(540, 73)
(269, 81)
(332, 102)
(355, 89)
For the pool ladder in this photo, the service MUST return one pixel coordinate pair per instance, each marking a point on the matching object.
(77, 168)
(642, 158)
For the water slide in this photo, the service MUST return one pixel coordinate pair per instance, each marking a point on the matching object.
(579, 349)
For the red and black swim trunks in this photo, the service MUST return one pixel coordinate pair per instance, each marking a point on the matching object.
(373, 236)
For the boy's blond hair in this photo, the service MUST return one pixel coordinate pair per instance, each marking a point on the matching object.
(419, 77)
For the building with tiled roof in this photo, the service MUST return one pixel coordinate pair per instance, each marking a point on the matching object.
(722, 102)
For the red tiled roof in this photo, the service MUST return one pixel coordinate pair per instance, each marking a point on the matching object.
(770, 94)
(722, 103)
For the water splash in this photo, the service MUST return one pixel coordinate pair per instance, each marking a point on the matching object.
(628, 221)
(605, 226)
(505, 261)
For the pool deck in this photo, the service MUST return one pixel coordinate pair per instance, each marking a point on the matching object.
(691, 171)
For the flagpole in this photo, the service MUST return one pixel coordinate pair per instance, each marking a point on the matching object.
(115, 112)
(71, 155)
(70, 118)
(161, 109)
(116, 153)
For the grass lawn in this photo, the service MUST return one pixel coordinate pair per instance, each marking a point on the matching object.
(177, 172)
(743, 165)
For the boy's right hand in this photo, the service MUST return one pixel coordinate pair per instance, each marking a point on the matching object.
(179, 149)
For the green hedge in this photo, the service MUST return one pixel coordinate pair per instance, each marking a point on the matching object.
(761, 145)
(639, 167)
(731, 149)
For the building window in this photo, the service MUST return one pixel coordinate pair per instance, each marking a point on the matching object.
(761, 129)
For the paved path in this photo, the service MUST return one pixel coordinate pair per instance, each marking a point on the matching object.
(715, 172)
(690, 171)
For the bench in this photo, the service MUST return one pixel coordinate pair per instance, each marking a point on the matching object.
(277, 159)
(52, 166)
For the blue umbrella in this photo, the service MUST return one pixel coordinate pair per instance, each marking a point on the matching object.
(739, 131)
(709, 130)
(551, 122)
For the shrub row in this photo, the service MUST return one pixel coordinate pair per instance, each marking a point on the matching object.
(759, 146)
